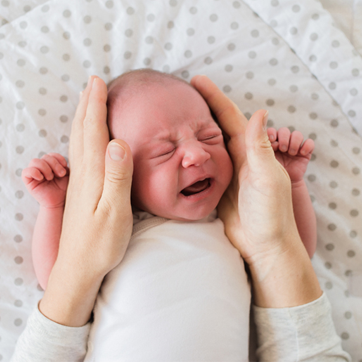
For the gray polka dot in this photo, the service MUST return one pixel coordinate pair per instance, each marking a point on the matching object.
(18, 260)
(348, 273)
(2, 36)
(20, 127)
(226, 88)
(353, 92)
(127, 55)
(248, 96)
(332, 205)
(348, 315)
(20, 83)
(67, 13)
(193, 10)
(334, 143)
(356, 150)
(275, 41)
(166, 68)
(18, 322)
(188, 54)
(65, 77)
(185, 74)
(328, 265)
(170, 25)
(293, 88)
(44, 29)
(130, 10)
(39, 288)
(252, 54)
(344, 335)
(313, 115)
(234, 25)
(87, 64)
(44, 49)
(346, 293)
(108, 26)
(149, 40)
(294, 69)
(45, 8)
(332, 227)
(332, 86)
(272, 81)
(150, 17)
(87, 19)
(313, 158)
(18, 303)
(64, 139)
(270, 102)
(23, 25)
(355, 192)
(231, 47)
(173, 2)
(329, 285)
(333, 65)
(66, 57)
(128, 33)
(330, 247)
(22, 44)
(66, 35)
(249, 75)
(63, 98)
(355, 72)
(291, 129)
(168, 46)
(107, 48)
(208, 60)
(190, 31)
(147, 61)
(356, 170)
(354, 213)
(87, 42)
(236, 4)
(254, 33)
(109, 4)
(18, 238)
(42, 112)
(5, 3)
(273, 61)
(247, 115)
(274, 3)
(315, 16)
(296, 8)
(19, 216)
(311, 178)
(313, 58)
(19, 194)
(334, 164)
(213, 17)
(42, 133)
(335, 44)
(291, 109)
(228, 68)
(20, 105)
(273, 23)
(63, 118)
(3, 21)
(352, 113)
(211, 39)
(293, 30)
(18, 172)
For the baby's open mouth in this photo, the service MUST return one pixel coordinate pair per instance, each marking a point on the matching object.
(197, 187)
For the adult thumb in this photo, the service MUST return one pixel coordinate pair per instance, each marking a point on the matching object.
(259, 151)
(118, 174)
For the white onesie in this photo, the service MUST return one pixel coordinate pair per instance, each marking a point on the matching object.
(181, 293)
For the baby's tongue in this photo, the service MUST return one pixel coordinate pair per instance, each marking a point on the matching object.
(196, 187)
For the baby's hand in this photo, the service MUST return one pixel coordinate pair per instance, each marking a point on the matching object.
(47, 179)
(290, 152)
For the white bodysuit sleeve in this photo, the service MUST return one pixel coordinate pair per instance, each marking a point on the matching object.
(46, 341)
(303, 333)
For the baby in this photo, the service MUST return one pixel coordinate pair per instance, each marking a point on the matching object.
(181, 289)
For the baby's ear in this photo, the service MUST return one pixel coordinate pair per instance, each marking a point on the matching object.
(225, 135)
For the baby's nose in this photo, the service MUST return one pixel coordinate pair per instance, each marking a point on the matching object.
(194, 155)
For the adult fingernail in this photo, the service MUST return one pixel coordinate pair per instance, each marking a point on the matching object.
(265, 120)
(116, 152)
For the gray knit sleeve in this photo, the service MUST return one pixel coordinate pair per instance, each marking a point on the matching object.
(303, 333)
(46, 341)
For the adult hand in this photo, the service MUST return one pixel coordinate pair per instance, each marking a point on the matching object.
(97, 222)
(257, 207)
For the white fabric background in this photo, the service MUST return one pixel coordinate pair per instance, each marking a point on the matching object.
(284, 56)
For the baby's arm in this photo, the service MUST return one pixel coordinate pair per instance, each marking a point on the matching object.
(47, 179)
(295, 157)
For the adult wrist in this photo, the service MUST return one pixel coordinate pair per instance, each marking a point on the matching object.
(70, 296)
(284, 278)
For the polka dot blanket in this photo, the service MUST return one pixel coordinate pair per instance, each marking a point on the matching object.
(287, 56)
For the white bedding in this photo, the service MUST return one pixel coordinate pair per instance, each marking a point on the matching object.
(290, 57)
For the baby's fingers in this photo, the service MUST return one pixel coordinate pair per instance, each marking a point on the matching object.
(283, 139)
(272, 134)
(307, 148)
(296, 139)
(31, 173)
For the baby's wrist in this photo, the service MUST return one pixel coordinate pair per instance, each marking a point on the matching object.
(298, 183)
(52, 207)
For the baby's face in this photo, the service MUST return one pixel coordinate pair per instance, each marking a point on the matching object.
(175, 144)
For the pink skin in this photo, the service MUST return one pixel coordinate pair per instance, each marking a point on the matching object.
(193, 149)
